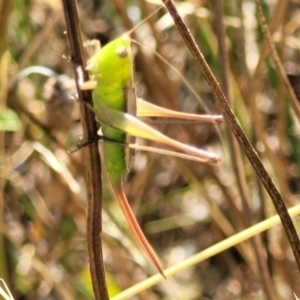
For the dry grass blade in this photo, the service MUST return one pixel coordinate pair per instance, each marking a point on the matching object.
(5, 293)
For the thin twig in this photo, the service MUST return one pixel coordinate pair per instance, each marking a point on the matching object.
(92, 157)
(238, 131)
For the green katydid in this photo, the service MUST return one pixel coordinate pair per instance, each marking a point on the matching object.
(116, 108)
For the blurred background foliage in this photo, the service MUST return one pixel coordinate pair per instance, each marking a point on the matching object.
(183, 207)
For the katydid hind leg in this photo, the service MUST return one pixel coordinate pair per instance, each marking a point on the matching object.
(147, 109)
(118, 189)
(136, 127)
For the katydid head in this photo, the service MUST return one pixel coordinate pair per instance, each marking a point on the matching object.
(110, 66)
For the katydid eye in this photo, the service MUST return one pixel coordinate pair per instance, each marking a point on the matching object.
(122, 52)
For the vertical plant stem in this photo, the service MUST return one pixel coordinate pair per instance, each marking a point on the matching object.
(238, 131)
(92, 157)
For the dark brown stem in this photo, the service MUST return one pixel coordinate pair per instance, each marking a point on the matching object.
(92, 157)
(238, 131)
